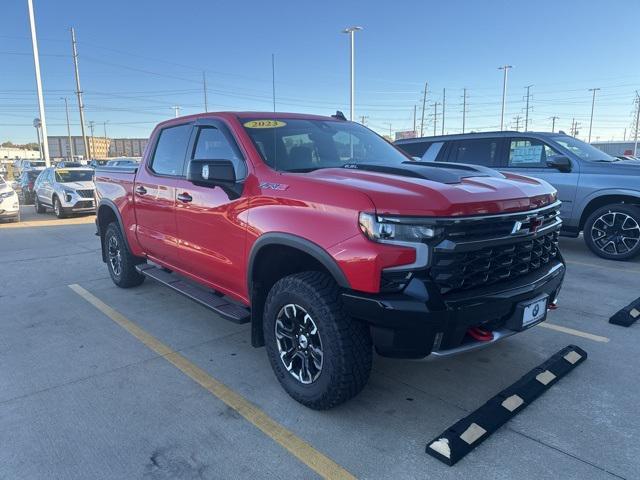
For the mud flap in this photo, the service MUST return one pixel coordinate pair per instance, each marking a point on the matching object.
(465, 435)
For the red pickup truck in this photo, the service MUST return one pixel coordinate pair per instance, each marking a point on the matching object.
(330, 242)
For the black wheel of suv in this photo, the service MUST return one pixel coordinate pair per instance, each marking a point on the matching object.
(121, 264)
(38, 206)
(613, 231)
(57, 208)
(320, 355)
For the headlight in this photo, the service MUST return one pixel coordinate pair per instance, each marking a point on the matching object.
(68, 191)
(403, 231)
(381, 229)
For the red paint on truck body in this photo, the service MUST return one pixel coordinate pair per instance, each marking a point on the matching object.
(210, 239)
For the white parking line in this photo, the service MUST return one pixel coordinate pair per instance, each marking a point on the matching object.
(571, 331)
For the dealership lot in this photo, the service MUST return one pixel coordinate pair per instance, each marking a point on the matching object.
(83, 398)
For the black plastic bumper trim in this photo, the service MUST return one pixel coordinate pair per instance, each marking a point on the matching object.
(466, 434)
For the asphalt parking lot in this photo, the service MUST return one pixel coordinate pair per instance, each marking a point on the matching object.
(82, 397)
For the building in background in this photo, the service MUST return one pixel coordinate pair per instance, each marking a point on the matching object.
(127, 147)
(406, 134)
(616, 148)
(13, 153)
(59, 147)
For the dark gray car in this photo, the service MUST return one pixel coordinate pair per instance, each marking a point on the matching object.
(600, 194)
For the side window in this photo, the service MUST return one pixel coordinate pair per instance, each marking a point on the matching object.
(212, 144)
(481, 151)
(168, 158)
(529, 152)
(432, 152)
(414, 149)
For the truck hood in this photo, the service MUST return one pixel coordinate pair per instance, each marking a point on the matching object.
(441, 189)
(623, 167)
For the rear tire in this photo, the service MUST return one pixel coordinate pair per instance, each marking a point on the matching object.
(613, 231)
(304, 318)
(120, 263)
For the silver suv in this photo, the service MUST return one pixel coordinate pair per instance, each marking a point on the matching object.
(65, 190)
(600, 194)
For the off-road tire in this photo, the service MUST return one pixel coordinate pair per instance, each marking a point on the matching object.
(346, 342)
(126, 276)
(631, 212)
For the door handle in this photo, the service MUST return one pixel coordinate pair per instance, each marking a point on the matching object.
(185, 197)
(140, 190)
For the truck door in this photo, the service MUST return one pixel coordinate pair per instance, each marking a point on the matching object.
(528, 156)
(211, 221)
(155, 197)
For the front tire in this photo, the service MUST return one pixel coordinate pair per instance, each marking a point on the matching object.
(120, 263)
(321, 356)
(57, 208)
(38, 206)
(613, 231)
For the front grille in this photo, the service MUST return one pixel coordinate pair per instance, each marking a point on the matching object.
(83, 204)
(85, 193)
(489, 258)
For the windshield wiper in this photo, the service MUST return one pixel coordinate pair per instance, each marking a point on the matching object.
(603, 160)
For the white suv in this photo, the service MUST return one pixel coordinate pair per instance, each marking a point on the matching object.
(66, 190)
(9, 203)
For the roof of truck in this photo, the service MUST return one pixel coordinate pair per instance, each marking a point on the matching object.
(256, 115)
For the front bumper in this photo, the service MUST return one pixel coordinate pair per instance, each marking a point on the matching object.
(77, 204)
(421, 321)
(9, 207)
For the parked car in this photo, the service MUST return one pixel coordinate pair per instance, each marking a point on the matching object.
(600, 194)
(122, 162)
(27, 185)
(68, 164)
(9, 202)
(627, 157)
(328, 239)
(65, 190)
(97, 163)
(30, 165)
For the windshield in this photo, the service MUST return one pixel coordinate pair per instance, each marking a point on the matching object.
(302, 145)
(64, 176)
(584, 150)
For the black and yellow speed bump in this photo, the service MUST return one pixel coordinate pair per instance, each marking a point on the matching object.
(466, 434)
(627, 315)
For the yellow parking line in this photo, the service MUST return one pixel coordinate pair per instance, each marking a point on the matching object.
(316, 461)
(571, 331)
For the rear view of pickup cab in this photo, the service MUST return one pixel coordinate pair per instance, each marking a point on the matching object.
(330, 242)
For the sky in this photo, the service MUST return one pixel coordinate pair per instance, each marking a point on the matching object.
(138, 59)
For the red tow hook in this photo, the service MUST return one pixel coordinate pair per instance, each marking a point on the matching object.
(480, 334)
(553, 306)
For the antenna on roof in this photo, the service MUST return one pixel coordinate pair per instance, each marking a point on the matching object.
(273, 80)
(339, 115)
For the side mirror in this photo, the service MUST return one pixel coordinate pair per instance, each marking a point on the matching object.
(559, 162)
(211, 173)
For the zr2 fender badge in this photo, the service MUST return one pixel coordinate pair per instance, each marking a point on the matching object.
(273, 186)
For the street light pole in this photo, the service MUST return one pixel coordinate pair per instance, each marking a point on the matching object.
(593, 103)
(351, 31)
(504, 92)
(637, 126)
(36, 125)
(36, 63)
(66, 109)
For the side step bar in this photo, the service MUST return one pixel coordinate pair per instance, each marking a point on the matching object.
(207, 298)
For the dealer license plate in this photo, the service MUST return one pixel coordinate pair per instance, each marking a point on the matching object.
(534, 312)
